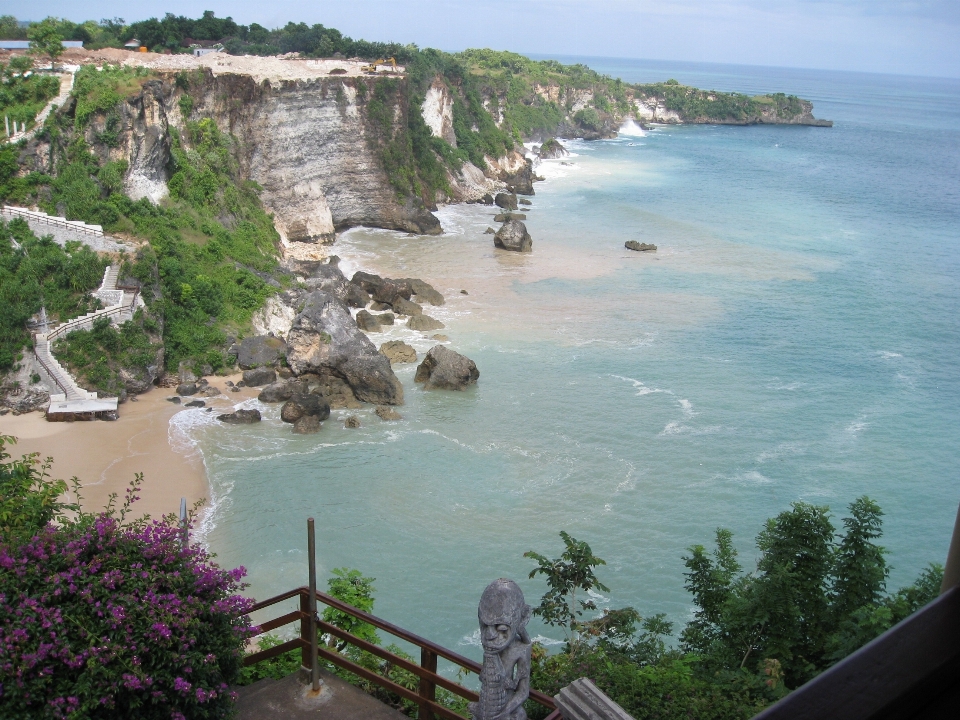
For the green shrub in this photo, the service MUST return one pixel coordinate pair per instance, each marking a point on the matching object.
(101, 617)
(40, 274)
(96, 356)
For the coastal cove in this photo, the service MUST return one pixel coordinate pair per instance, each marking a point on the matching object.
(793, 338)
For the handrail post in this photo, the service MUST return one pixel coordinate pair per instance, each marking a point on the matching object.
(312, 559)
(427, 689)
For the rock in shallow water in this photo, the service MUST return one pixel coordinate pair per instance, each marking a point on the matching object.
(259, 377)
(398, 351)
(639, 246)
(240, 417)
(508, 201)
(513, 236)
(445, 369)
(307, 425)
(424, 323)
(386, 413)
(187, 389)
(302, 404)
(406, 307)
(279, 391)
(352, 422)
(368, 322)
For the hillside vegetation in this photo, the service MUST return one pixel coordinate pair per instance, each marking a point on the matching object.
(211, 257)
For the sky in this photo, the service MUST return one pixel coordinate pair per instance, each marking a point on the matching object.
(908, 37)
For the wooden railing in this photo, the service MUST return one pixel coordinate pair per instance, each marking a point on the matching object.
(426, 694)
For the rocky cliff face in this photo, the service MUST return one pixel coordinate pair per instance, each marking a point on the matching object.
(437, 110)
(305, 142)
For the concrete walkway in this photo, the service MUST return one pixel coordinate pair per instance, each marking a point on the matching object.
(72, 398)
(290, 699)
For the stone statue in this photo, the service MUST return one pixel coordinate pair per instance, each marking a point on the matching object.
(505, 677)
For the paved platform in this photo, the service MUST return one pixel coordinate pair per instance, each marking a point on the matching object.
(290, 699)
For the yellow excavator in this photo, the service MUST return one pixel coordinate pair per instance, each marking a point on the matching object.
(372, 67)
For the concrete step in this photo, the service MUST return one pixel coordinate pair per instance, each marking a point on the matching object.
(291, 699)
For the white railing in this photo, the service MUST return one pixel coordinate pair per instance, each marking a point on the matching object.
(40, 217)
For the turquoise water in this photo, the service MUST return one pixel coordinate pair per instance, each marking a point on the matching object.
(795, 337)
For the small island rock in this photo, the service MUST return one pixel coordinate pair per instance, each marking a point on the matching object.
(445, 369)
(639, 246)
(552, 149)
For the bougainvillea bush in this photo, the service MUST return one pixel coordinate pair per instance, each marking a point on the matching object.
(102, 618)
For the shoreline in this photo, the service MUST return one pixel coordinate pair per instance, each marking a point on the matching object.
(105, 456)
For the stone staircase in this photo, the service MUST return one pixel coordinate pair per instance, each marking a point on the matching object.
(64, 230)
(120, 306)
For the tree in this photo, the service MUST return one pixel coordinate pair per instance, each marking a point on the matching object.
(29, 497)
(10, 29)
(814, 598)
(353, 588)
(571, 572)
(860, 571)
(45, 39)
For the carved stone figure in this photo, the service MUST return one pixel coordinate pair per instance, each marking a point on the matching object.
(505, 677)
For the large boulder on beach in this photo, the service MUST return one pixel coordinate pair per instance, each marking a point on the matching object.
(258, 377)
(325, 339)
(240, 417)
(187, 389)
(330, 279)
(382, 290)
(397, 351)
(260, 351)
(513, 236)
(423, 323)
(508, 201)
(445, 369)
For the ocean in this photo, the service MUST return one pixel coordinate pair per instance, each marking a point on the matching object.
(794, 338)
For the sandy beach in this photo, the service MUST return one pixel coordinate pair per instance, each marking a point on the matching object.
(105, 456)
